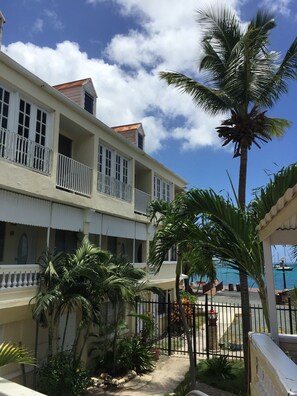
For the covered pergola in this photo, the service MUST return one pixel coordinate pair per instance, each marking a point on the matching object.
(278, 227)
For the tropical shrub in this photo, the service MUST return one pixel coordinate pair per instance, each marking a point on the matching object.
(63, 375)
(175, 318)
(220, 366)
(135, 355)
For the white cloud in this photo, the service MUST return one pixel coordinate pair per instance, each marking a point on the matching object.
(166, 40)
(53, 19)
(281, 6)
(37, 26)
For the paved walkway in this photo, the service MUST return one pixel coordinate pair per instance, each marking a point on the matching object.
(169, 373)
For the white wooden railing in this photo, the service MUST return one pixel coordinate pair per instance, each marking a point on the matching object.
(19, 276)
(141, 201)
(8, 388)
(111, 186)
(74, 176)
(273, 373)
(21, 150)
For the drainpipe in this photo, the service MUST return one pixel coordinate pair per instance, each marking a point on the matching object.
(2, 21)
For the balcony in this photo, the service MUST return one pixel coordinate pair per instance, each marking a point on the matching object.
(18, 276)
(23, 151)
(141, 201)
(113, 187)
(9, 388)
(272, 370)
(74, 176)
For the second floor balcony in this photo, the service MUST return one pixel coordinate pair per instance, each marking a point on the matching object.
(113, 187)
(141, 201)
(23, 151)
(74, 176)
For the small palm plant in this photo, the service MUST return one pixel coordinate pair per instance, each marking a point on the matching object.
(10, 353)
(220, 366)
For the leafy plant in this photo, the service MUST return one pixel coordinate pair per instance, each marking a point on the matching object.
(63, 375)
(10, 353)
(133, 354)
(220, 366)
(175, 317)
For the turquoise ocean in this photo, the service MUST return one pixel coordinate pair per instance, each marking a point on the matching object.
(229, 275)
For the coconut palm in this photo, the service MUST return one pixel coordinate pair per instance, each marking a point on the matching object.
(10, 353)
(243, 79)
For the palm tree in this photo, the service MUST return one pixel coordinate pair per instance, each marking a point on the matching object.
(243, 78)
(172, 231)
(10, 353)
(229, 233)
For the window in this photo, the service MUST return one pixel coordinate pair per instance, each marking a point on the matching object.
(2, 239)
(4, 107)
(113, 178)
(161, 189)
(89, 103)
(24, 138)
(140, 141)
(162, 303)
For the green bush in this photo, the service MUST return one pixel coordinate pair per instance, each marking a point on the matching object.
(133, 354)
(63, 375)
(220, 366)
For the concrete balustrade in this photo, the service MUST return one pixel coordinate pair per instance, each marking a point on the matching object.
(273, 373)
(19, 276)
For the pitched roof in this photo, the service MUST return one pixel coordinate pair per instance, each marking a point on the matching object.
(72, 84)
(126, 128)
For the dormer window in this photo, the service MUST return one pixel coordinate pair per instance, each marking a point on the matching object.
(89, 103)
(140, 141)
(81, 92)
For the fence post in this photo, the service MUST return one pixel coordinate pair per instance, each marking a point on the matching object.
(290, 314)
(169, 324)
(194, 335)
(206, 326)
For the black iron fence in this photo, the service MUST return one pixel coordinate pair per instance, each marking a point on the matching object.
(215, 328)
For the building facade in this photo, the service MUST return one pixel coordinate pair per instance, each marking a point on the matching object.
(65, 174)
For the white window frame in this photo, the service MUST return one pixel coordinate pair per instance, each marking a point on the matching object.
(116, 167)
(162, 189)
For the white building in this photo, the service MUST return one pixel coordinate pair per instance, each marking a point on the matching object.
(65, 174)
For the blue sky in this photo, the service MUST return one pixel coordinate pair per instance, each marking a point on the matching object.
(122, 45)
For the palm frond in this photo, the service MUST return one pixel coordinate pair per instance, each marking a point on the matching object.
(213, 101)
(10, 353)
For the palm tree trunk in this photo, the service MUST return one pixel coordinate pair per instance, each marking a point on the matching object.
(186, 326)
(245, 299)
(65, 330)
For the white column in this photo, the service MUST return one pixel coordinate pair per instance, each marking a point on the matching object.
(270, 290)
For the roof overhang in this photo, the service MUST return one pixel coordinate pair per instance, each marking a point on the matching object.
(280, 223)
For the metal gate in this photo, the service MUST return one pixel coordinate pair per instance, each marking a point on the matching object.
(215, 328)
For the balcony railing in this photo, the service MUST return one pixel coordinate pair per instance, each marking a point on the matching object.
(272, 371)
(9, 388)
(74, 176)
(16, 148)
(19, 276)
(141, 201)
(111, 186)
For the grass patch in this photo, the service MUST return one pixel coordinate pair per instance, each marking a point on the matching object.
(236, 381)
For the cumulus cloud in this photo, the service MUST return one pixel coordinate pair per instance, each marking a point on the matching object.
(126, 79)
(281, 6)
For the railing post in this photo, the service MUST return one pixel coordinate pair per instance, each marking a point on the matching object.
(194, 335)
(206, 326)
(169, 324)
(290, 314)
